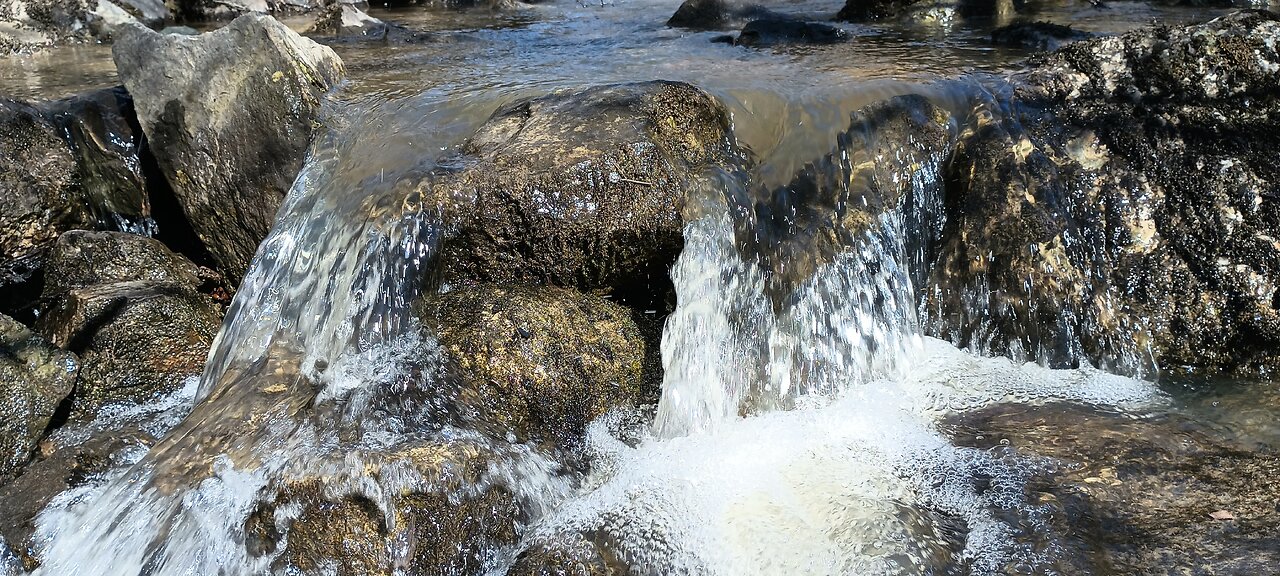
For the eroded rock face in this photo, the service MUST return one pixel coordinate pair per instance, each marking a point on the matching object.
(581, 189)
(1121, 211)
(538, 362)
(1135, 495)
(202, 102)
(34, 379)
(441, 523)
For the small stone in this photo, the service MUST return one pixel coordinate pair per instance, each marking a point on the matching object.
(1222, 515)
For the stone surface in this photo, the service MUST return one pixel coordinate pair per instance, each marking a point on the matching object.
(1037, 35)
(1135, 495)
(347, 23)
(873, 10)
(717, 14)
(27, 25)
(448, 517)
(82, 258)
(137, 339)
(39, 192)
(538, 362)
(779, 31)
(202, 102)
(1121, 211)
(34, 379)
(581, 189)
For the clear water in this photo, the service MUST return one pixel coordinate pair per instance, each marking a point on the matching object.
(803, 440)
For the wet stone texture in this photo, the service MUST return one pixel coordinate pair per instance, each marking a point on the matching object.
(582, 189)
(130, 308)
(717, 14)
(444, 521)
(34, 379)
(1122, 209)
(538, 362)
(1153, 496)
(201, 101)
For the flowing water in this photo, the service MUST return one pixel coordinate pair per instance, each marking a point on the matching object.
(802, 438)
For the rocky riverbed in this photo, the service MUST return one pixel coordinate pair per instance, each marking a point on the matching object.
(315, 287)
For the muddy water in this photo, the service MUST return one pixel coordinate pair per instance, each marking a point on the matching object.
(870, 467)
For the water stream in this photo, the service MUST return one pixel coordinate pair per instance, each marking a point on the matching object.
(797, 438)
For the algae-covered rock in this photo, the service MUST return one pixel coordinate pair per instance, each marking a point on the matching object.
(583, 188)
(539, 362)
(446, 521)
(137, 339)
(229, 115)
(34, 379)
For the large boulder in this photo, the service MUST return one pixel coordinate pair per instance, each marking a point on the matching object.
(229, 115)
(582, 189)
(130, 308)
(34, 379)
(1121, 210)
(538, 362)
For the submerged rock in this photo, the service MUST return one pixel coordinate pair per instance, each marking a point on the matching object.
(229, 115)
(34, 379)
(582, 189)
(873, 10)
(717, 14)
(538, 362)
(774, 31)
(1120, 212)
(1037, 35)
(1137, 495)
(442, 519)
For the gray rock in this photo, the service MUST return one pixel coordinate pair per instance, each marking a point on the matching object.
(228, 166)
(1037, 35)
(346, 23)
(39, 190)
(27, 25)
(581, 189)
(152, 13)
(782, 31)
(34, 379)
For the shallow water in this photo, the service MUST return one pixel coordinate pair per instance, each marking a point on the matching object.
(816, 439)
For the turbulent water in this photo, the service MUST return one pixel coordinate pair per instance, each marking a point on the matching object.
(795, 439)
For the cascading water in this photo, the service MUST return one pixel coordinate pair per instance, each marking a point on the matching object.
(793, 438)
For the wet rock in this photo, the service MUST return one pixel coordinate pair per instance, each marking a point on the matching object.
(137, 339)
(34, 379)
(538, 362)
(442, 522)
(1135, 495)
(770, 32)
(39, 192)
(889, 161)
(582, 189)
(227, 166)
(1037, 35)
(874, 10)
(1120, 212)
(717, 14)
(83, 258)
(346, 23)
(569, 555)
(151, 13)
(228, 9)
(102, 131)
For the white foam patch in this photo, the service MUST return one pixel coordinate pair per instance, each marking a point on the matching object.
(853, 485)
